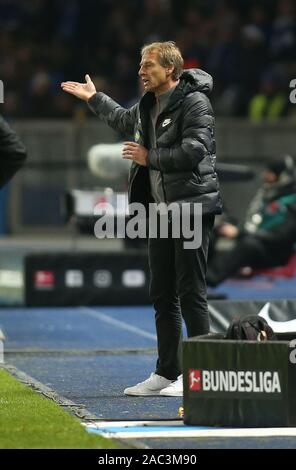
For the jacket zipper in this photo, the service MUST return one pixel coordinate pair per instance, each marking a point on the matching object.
(162, 181)
(158, 159)
(137, 168)
(131, 182)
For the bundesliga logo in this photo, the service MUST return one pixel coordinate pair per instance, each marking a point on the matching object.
(234, 381)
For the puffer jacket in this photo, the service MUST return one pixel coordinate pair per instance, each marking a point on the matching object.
(185, 135)
(12, 152)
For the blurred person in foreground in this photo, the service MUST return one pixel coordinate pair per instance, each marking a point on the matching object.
(12, 157)
(12, 152)
(268, 235)
(173, 160)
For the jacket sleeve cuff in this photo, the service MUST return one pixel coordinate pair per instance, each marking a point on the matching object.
(94, 102)
(153, 160)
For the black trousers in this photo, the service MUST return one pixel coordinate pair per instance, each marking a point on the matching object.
(178, 288)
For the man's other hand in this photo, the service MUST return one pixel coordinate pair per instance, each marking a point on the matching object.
(84, 91)
(135, 152)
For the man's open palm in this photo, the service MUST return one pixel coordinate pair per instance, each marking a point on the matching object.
(84, 91)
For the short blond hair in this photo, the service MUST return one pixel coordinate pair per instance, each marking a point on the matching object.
(168, 54)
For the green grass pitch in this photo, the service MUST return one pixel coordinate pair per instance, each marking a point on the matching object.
(30, 421)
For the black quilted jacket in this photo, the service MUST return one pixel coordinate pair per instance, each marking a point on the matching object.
(12, 152)
(186, 148)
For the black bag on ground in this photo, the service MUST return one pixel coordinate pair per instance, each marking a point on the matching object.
(250, 328)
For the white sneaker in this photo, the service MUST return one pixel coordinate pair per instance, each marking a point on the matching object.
(149, 387)
(175, 389)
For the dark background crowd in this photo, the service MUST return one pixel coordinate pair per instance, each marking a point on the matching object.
(248, 46)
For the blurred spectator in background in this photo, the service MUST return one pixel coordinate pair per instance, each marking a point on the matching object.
(268, 235)
(252, 63)
(283, 32)
(271, 102)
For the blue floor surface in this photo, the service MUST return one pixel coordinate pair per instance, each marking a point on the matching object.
(76, 328)
(95, 381)
(259, 287)
(98, 381)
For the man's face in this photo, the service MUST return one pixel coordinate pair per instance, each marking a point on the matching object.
(155, 77)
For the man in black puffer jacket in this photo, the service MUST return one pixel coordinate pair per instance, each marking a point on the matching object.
(173, 155)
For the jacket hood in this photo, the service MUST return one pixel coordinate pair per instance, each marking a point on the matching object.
(190, 81)
(196, 80)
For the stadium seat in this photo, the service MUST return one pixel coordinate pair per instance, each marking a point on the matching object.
(288, 270)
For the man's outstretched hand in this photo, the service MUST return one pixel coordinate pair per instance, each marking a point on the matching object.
(84, 91)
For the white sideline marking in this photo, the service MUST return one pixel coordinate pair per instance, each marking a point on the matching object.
(129, 424)
(118, 323)
(180, 430)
